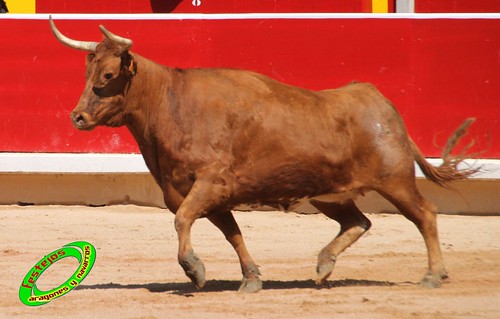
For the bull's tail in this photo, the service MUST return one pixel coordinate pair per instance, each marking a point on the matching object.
(448, 171)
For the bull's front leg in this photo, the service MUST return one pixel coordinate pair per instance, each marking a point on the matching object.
(189, 261)
(202, 198)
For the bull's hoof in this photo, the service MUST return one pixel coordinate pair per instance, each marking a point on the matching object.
(194, 269)
(324, 270)
(431, 280)
(250, 285)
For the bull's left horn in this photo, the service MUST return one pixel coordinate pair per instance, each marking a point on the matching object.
(124, 42)
(79, 45)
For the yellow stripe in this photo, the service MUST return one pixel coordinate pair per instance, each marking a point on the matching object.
(21, 6)
(380, 6)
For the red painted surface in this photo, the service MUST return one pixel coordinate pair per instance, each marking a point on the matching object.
(458, 6)
(436, 72)
(197, 6)
(245, 6)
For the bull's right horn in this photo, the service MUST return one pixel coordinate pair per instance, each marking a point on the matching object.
(79, 45)
(124, 42)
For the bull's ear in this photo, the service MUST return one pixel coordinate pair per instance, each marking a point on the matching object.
(129, 64)
(90, 57)
(132, 68)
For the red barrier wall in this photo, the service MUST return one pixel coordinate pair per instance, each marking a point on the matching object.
(437, 72)
(457, 6)
(246, 6)
(239, 6)
(197, 6)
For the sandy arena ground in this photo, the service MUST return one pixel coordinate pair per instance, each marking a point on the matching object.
(136, 274)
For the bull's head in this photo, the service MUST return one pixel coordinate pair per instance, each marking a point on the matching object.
(109, 70)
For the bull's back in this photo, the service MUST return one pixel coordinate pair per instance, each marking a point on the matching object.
(253, 114)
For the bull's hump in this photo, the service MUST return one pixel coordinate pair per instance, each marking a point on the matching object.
(229, 79)
(247, 79)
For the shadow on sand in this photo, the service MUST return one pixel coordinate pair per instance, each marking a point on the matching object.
(188, 288)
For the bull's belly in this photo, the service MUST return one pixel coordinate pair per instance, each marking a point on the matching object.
(303, 205)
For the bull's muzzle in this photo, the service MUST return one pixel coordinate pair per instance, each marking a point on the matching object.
(81, 120)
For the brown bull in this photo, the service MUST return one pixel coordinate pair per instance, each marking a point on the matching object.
(216, 138)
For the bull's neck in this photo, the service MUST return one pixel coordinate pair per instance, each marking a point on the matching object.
(149, 117)
(146, 98)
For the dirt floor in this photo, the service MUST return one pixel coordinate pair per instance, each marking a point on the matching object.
(136, 274)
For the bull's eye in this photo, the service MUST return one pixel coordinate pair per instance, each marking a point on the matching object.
(108, 76)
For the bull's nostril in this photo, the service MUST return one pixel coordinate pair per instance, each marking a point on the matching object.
(78, 120)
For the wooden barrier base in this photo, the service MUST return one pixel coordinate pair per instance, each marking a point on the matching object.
(473, 197)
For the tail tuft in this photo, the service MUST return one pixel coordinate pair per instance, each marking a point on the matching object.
(448, 171)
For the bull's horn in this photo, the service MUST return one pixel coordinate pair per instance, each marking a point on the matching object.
(79, 45)
(124, 42)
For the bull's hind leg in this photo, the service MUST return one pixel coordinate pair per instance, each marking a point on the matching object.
(227, 224)
(412, 205)
(353, 224)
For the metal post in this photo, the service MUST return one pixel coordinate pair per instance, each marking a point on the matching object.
(405, 6)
